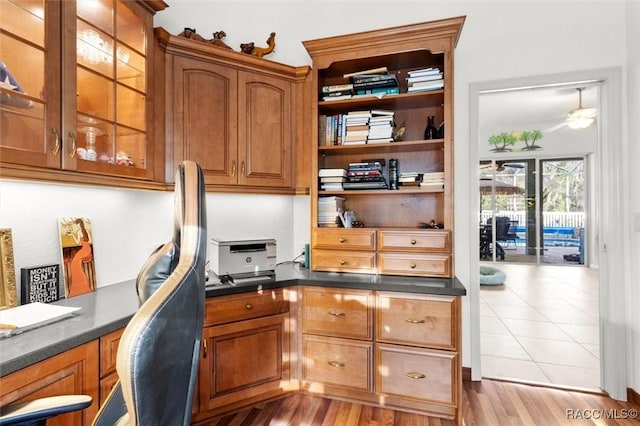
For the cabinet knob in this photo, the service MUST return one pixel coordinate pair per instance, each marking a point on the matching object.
(336, 364)
(412, 265)
(342, 262)
(414, 321)
(248, 306)
(74, 145)
(414, 375)
(413, 242)
(343, 239)
(336, 314)
(56, 141)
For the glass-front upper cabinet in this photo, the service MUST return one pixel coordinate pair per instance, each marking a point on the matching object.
(75, 81)
(29, 84)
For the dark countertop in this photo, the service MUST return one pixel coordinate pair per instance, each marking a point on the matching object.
(111, 307)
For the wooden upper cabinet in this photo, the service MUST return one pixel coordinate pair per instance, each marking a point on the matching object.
(205, 114)
(234, 114)
(78, 94)
(265, 121)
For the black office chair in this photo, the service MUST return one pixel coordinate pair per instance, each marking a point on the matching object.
(158, 353)
(486, 237)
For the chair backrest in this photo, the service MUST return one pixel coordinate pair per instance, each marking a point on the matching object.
(159, 350)
(503, 223)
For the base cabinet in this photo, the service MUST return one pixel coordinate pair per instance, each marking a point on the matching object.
(400, 350)
(72, 372)
(245, 352)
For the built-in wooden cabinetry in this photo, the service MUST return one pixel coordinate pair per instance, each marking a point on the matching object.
(391, 242)
(73, 372)
(246, 351)
(76, 106)
(233, 113)
(108, 355)
(399, 350)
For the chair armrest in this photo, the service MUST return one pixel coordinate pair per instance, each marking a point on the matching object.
(43, 408)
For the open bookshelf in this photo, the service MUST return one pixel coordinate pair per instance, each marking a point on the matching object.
(408, 209)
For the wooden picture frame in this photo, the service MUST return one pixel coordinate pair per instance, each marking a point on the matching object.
(8, 289)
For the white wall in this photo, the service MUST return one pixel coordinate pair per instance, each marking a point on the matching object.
(500, 40)
(129, 224)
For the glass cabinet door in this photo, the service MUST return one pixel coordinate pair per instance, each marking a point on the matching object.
(29, 83)
(110, 120)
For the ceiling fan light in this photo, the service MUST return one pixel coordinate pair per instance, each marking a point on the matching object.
(580, 118)
(578, 122)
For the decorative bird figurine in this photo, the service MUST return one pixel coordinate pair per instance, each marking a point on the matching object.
(398, 134)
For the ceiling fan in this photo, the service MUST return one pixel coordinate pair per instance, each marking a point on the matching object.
(577, 118)
(501, 165)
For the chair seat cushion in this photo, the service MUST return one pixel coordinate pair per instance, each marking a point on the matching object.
(490, 275)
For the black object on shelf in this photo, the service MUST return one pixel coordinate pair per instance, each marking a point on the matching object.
(393, 173)
(431, 132)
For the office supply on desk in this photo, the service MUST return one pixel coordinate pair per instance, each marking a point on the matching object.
(26, 317)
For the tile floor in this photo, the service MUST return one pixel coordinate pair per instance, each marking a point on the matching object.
(542, 326)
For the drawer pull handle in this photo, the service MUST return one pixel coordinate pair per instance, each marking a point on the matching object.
(343, 239)
(342, 261)
(248, 306)
(336, 364)
(415, 375)
(414, 321)
(413, 242)
(412, 265)
(337, 314)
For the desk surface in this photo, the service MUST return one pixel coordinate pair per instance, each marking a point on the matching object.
(111, 307)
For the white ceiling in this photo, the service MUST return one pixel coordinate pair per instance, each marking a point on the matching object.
(536, 108)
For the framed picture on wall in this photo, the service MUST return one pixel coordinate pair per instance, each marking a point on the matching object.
(8, 290)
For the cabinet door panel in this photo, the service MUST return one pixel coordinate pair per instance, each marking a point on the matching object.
(72, 372)
(205, 113)
(265, 128)
(243, 360)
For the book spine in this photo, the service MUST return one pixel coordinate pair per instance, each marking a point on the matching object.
(337, 88)
(378, 90)
(374, 84)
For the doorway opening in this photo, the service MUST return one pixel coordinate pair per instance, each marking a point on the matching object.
(541, 324)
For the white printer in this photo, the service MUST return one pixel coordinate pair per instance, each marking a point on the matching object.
(242, 258)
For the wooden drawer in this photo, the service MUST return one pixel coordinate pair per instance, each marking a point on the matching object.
(343, 261)
(237, 307)
(418, 374)
(425, 241)
(415, 264)
(418, 320)
(339, 362)
(344, 239)
(337, 312)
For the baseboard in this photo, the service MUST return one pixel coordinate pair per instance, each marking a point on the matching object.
(632, 395)
(466, 373)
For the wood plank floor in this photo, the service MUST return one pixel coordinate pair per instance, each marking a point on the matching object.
(486, 403)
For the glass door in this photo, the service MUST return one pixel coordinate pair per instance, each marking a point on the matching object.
(30, 83)
(110, 117)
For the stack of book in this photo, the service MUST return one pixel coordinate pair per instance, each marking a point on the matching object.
(425, 79)
(332, 179)
(328, 211)
(365, 175)
(381, 126)
(432, 180)
(356, 127)
(409, 179)
(371, 82)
